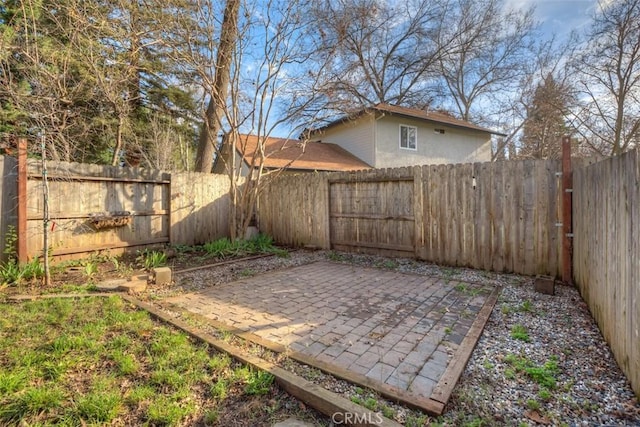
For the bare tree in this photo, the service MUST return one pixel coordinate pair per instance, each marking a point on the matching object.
(371, 51)
(510, 111)
(489, 55)
(269, 66)
(219, 89)
(609, 79)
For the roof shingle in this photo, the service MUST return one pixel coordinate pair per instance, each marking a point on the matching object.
(294, 154)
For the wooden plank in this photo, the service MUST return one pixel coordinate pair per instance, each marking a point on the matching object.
(389, 246)
(606, 209)
(373, 216)
(85, 215)
(382, 178)
(312, 394)
(85, 178)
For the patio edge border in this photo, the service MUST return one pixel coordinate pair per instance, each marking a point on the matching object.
(429, 405)
(323, 400)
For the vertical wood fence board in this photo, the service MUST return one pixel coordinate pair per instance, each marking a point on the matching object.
(200, 207)
(606, 211)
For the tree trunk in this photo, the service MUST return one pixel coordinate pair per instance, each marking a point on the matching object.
(217, 102)
(116, 151)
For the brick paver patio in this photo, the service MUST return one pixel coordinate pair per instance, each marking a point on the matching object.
(400, 330)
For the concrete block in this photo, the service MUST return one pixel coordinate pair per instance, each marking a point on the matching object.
(134, 286)
(545, 285)
(162, 275)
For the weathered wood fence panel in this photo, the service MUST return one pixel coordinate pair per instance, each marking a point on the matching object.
(494, 216)
(606, 253)
(8, 196)
(200, 207)
(373, 213)
(293, 209)
(178, 208)
(79, 192)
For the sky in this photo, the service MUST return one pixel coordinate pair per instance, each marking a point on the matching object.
(559, 16)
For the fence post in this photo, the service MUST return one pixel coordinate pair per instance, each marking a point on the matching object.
(567, 193)
(22, 201)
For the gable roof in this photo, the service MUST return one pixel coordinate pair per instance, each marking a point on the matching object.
(414, 113)
(293, 154)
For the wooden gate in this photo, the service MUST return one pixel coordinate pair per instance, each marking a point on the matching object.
(373, 216)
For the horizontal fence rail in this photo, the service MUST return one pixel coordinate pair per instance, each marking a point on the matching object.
(94, 207)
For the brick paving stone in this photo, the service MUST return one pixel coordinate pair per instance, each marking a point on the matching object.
(393, 357)
(403, 346)
(315, 348)
(359, 347)
(346, 359)
(380, 371)
(432, 370)
(380, 323)
(416, 358)
(368, 359)
(422, 386)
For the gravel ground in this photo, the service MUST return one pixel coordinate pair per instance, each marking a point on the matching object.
(540, 360)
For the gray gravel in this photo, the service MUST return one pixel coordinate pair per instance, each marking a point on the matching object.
(559, 372)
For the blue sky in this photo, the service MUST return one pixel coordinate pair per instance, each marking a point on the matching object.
(559, 16)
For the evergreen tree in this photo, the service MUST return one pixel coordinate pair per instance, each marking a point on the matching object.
(545, 123)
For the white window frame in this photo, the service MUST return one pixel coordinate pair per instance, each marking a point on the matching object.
(415, 131)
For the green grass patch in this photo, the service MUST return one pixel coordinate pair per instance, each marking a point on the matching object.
(544, 375)
(96, 361)
(519, 332)
(225, 248)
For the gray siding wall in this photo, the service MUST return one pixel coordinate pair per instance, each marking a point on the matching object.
(454, 146)
(356, 137)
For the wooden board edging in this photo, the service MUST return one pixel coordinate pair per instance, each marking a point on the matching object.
(323, 400)
(455, 368)
(216, 264)
(428, 405)
(23, 297)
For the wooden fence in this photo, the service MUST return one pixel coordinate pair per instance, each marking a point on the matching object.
(154, 207)
(606, 253)
(496, 216)
(8, 194)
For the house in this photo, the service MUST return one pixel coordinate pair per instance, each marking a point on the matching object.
(387, 136)
(290, 154)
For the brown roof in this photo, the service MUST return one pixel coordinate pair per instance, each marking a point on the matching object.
(432, 116)
(293, 154)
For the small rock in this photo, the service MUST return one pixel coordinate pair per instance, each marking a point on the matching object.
(292, 422)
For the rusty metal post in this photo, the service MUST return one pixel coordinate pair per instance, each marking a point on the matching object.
(567, 194)
(22, 201)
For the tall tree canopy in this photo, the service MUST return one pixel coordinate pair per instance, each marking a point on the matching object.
(545, 124)
(608, 70)
(88, 76)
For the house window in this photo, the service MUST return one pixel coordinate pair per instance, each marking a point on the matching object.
(408, 137)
